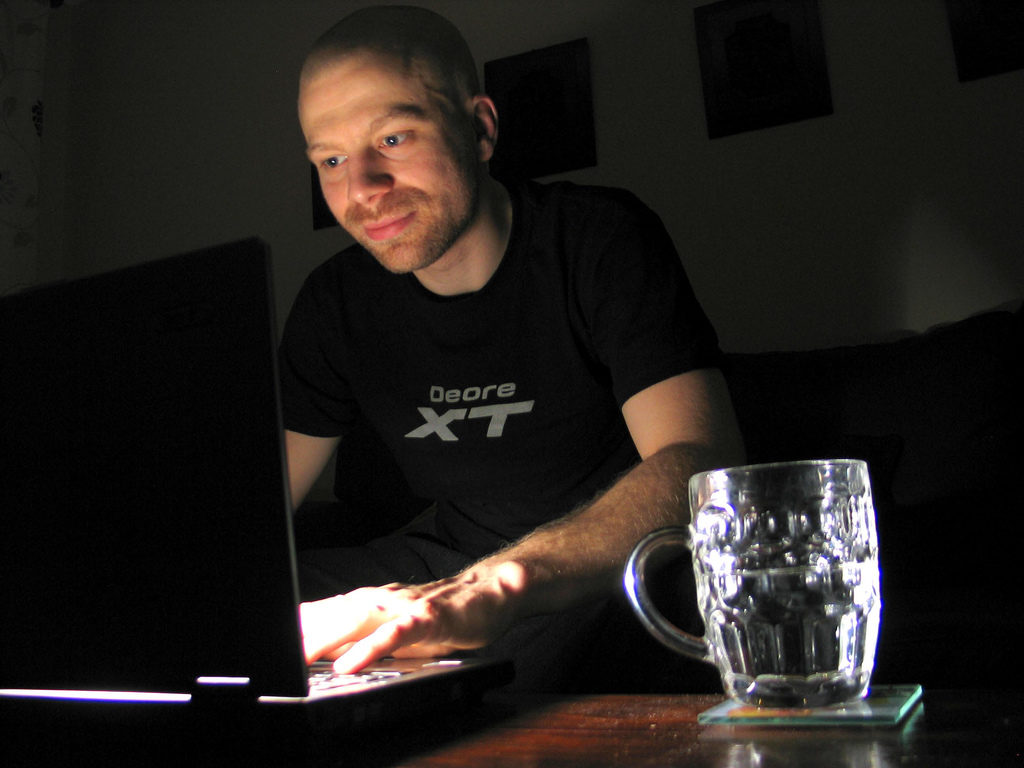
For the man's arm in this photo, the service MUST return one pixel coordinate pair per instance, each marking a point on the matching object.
(307, 457)
(680, 426)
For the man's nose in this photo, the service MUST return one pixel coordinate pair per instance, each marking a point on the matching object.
(368, 178)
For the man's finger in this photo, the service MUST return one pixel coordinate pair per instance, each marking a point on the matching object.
(330, 626)
(401, 633)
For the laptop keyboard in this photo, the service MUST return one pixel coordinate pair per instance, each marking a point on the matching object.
(328, 680)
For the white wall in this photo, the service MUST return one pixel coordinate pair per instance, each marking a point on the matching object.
(170, 124)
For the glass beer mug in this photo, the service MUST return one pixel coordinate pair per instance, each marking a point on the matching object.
(786, 563)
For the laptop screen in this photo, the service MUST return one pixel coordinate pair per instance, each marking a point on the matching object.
(146, 539)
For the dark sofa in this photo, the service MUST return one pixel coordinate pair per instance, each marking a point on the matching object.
(936, 415)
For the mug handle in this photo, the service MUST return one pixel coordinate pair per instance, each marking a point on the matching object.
(663, 630)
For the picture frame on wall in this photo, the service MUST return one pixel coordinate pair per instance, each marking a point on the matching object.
(988, 37)
(762, 64)
(545, 111)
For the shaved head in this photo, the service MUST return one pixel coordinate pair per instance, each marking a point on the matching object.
(423, 43)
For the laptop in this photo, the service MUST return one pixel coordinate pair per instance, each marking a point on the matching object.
(146, 553)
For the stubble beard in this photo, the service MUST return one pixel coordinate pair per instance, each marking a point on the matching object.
(440, 221)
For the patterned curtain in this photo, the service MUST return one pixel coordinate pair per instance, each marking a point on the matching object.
(22, 53)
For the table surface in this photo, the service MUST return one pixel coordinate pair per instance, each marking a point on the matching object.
(949, 728)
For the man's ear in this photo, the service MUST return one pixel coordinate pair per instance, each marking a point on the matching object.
(485, 123)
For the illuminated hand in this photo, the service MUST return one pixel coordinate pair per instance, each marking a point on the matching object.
(463, 612)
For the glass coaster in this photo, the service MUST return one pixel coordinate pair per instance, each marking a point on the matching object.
(885, 705)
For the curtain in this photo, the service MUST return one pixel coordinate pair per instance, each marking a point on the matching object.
(22, 54)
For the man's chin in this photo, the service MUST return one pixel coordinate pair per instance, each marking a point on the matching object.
(400, 260)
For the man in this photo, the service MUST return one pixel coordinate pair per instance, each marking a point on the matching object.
(534, 357)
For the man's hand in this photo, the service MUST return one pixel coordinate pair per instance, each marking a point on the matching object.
(463, 612)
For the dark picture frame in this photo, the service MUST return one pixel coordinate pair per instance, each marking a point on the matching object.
(988, 36)
(762, 64)
(545, 111)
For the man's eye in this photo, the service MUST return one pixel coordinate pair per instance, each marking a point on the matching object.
(394, 139)
(334, 161)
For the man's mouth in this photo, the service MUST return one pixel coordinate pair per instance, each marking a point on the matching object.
(388, 228)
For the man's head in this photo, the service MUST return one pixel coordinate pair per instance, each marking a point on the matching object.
(425, 44)
(390, 107)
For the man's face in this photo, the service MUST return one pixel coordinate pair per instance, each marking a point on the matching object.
(397, 162)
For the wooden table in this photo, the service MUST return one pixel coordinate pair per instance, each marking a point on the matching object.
(950, 728)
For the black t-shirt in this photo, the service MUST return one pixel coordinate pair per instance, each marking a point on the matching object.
(504, 403)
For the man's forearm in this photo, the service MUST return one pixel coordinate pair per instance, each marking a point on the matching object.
(560, 565)
(581, 556)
